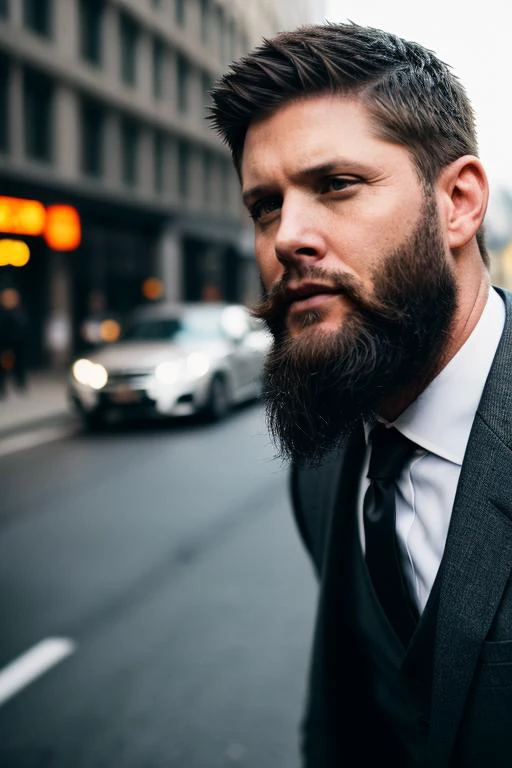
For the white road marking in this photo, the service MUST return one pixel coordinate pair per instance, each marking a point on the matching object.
(31, 439)
(34, 663)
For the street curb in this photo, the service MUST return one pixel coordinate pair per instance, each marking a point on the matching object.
(60, 418)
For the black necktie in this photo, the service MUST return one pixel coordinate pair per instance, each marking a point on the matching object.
(389, 452)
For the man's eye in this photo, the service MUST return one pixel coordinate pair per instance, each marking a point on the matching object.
(264, 207)
(339, 183)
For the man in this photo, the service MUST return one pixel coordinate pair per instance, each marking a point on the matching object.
(388, 387)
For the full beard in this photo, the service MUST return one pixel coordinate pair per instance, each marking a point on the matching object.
(318, 385)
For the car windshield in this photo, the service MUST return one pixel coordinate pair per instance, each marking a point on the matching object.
(194, 326)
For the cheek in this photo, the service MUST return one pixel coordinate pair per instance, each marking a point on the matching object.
(269, 267)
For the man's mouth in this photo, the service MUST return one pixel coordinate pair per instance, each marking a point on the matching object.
(308, 295)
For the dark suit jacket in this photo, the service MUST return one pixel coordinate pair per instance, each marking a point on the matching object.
(471, 682)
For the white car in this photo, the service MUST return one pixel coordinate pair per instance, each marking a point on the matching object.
(173, 360)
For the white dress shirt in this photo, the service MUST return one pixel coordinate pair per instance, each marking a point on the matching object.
(439, 422)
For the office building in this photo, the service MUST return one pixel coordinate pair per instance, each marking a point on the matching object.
(102, 107)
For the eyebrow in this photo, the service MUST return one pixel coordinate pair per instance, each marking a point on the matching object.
(303, 174)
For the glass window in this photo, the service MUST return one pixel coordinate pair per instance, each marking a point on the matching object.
(93, 121)
(207, 82)
(4, 99)
(128, 49)
(158, 158)
(200, 323)
(182, 73)
(37, 16)
(158, 68)
(183, 169)
(231, 39)
(225, 174)
(153, 329)
(129, 151)
(91, 14)
(221, 33)
(3, 9)
(205, 18)
(179, 12)
(207, 172)
(38, 107)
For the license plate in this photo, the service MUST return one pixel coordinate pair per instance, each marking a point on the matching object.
(125, 395)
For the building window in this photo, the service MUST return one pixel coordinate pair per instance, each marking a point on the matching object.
(156, 3)
(231, 39)
(205, 19)
(224, 183)
(183, 169)
(158, 69)
(221, 33)
(4, 99)
(182, 73)
(93, 121)
(129, 152)
(37, 16)
(158, 162)
(207, 83)
(207, 174)
(179, 12)
(91, 14)
(128, 49)
(3, 9)
(38, 108)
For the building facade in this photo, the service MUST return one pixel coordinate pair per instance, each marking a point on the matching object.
(102, 107)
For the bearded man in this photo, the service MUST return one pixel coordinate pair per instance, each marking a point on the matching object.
(387, 388)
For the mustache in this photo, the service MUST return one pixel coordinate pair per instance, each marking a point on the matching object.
(273, 305)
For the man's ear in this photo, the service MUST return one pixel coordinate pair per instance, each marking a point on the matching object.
(464, 194)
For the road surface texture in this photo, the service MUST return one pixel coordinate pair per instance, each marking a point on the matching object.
(156, 603)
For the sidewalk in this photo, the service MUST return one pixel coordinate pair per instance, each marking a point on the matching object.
(44, 402)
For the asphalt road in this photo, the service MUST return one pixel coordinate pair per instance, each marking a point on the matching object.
(167, 559)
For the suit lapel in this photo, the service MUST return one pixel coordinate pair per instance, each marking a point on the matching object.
(477, 560)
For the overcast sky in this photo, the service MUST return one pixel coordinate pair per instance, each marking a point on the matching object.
(475, 39)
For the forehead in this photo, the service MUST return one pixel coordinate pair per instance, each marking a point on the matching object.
(311, 131)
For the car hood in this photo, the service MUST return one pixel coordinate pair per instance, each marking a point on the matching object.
(145, 355)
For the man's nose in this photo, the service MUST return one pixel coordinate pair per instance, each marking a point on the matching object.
(299, 236)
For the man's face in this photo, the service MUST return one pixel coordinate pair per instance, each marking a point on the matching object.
(359, 291)
(325, 191)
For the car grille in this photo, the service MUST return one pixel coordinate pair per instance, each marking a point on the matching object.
(141, 400)
(132, 378)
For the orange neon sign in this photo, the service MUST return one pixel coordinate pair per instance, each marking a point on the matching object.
(58, 224)
(62, 231)
(21, 217)
(14, 253)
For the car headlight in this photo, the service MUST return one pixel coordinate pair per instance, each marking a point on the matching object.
(168, 372)
(90, 374)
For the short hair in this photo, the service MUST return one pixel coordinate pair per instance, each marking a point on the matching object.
(413, 97)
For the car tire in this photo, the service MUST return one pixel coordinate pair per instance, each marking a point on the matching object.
(219, 401)
(93, 422)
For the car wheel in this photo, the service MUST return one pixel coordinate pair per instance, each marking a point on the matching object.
(93, 421)
(219, 403)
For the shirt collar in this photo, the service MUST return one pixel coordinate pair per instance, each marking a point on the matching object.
(440, 419)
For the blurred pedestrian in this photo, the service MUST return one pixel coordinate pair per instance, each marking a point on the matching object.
(100, 326)
(388, 387)
(13, 341)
